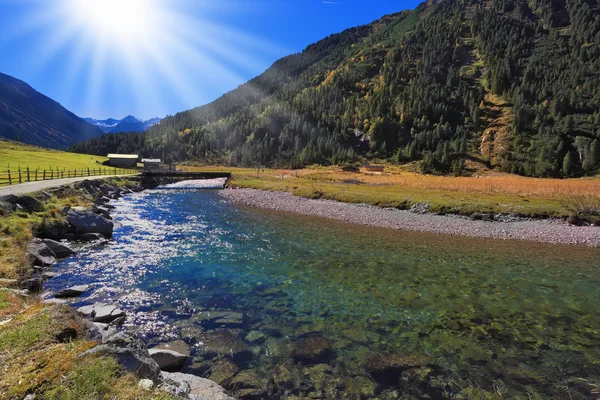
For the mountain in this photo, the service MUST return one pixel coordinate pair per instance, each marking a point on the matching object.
(127, 124)
(453, 84)
(30, 117)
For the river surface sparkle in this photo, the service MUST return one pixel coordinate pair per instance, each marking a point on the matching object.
(283, 306)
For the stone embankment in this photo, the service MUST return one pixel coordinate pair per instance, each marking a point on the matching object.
(418, 219)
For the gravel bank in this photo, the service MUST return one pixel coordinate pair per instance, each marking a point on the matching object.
(547, 231)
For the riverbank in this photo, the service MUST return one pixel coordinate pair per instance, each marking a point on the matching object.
(47, 348)
(547, 231)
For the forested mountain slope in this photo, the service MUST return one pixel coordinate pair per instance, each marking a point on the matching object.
(30, 117)
(514, 84)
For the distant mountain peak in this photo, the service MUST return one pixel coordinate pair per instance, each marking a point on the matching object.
(127, 124)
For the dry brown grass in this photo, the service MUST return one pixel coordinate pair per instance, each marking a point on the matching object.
(494, 183)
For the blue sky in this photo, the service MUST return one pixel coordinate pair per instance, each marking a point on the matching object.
(110, 58)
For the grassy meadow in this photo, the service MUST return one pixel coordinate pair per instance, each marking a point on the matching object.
(400, 188)
(14, 155)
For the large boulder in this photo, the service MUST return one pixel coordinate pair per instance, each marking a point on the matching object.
(29, 203)
(131, 352)
(193, 387)
(40, 254)
(73, 291)
(88, 222)
(60, 249)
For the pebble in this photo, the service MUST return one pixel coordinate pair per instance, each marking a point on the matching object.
(547, 231)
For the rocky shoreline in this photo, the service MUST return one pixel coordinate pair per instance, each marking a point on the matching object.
(156, 367)
(546, 231)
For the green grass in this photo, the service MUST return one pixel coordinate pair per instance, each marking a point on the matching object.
(34, 359)
(15, 154)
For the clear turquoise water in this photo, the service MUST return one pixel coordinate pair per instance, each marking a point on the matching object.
(339, 311)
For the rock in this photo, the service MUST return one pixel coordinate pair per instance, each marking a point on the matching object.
(61, 250)
(221, 319)
(168, 360)
(73, 291)
(29, 203)
(90, 237)
(40, 254)
(312, 349)
(255, 337)
(55, 229)
(222, 371)
(100, 312)
(6, 208)
(35, 285)
(101, 200)
(54, 301)
(194, 387)
(49, 275)
(131, 352)
(9, 198)
(387, 367)
(222, 342)
(64, 210)
(43, 195)
(250, 384)
(145, 384)
(88, 222)
(102, 211)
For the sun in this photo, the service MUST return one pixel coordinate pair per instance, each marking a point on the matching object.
(117, 22)
(141, 54)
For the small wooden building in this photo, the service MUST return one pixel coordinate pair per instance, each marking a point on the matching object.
(123, 160)
(373, 168)
(151, 164)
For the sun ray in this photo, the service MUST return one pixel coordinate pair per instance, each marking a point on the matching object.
(143, 48)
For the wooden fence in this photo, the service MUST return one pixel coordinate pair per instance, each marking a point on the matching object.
(22, 175)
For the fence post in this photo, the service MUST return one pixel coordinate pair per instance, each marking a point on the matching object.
(51, 174)
(88, 171)
(28, 177)
(9, 180)
(20, 180)
(36, 174)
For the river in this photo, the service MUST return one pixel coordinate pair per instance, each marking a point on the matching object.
(276, 305)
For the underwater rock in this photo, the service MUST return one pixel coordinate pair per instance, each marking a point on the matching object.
(387, 367)
(249, 384)
(222, 319)
(284, 377)
(222, 371)
(255, 337)
(222, 342)
(312, 349)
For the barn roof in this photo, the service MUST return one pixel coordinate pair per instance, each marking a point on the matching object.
(122, 156)
(151, 160)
